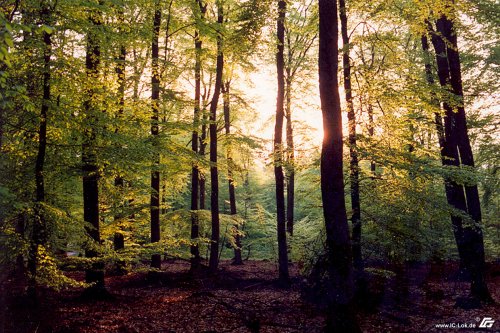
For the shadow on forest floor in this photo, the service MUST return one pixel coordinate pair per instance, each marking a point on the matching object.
(246, 299)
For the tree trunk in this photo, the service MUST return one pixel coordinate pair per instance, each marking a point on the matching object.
(290, 156)
(278, 148)
(340, 316)
(120, 72)
(203, 146)
(119, 182)
(371, 131)
(95, 274)
(473, 236)
(457, 151)
(155, 173)
(232, 195)
(353, 153)
(195, 174)
(39, 232)
(214, 176)
(438, 120)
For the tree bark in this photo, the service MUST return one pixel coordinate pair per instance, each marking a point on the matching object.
(457, 151)
(195, 174)
(155, 174)
(39, 232)
(290, 156)
(120, 72)
(340, 316)
(226, 90)
(371, 131)
(95, 274)
(278, 148)
(214, 176)
(203, 146)
(353, 153)
(438, 120)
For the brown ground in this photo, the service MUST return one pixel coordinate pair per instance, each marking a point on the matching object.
(246, 299)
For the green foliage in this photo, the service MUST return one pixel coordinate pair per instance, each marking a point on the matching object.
(404, 215)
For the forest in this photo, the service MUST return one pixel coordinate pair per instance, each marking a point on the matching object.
(249, 166)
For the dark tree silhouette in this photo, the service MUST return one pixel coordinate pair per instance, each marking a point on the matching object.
(155, 173)
(214, 175)
(278, 147)
(456, 150)
(353, 153)
(195, 173)
(340, 316)
(39, 232)
(226, 91)
(95, 274)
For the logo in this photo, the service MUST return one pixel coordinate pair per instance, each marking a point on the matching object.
(487, 322)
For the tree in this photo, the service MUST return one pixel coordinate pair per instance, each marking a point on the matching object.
(226, 91)
(278, 147)
(214, 175)
(155, 173)
(353, 154)
(340, 316)
(195, 173)
(39, 232)
(120, 70)
(95, 274)
(457, 151)
(300, 35)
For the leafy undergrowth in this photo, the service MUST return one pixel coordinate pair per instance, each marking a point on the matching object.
(246, 299)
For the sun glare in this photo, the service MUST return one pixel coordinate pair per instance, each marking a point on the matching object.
(306, 112)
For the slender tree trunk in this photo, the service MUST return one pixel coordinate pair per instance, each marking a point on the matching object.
(118, 239)
(278, 148)
(195, 174)
(457, 151)
(155, 173)
(95, 274)
(340, 316)
(371, 131)
(290, 158)
(120, 72)
(232, 193)
(214, 176)
(290, 149)
(438, 120)
(353, 153)
(39, 232)
(203, 181)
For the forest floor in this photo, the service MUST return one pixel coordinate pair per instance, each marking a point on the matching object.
(248, 299)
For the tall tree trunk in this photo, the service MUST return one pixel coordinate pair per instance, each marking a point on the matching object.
(120, 72)
(340, 316)
(278, 147)
(214, 176)
(371, 128)
(353, 153)
(290, 155)
(39, 232)
(119, 240)
(155, 173)
(195, 174)
(203, 146)
(438, 120)
(464, 146)
(232, 195)
(95, 274)
(457, 151)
